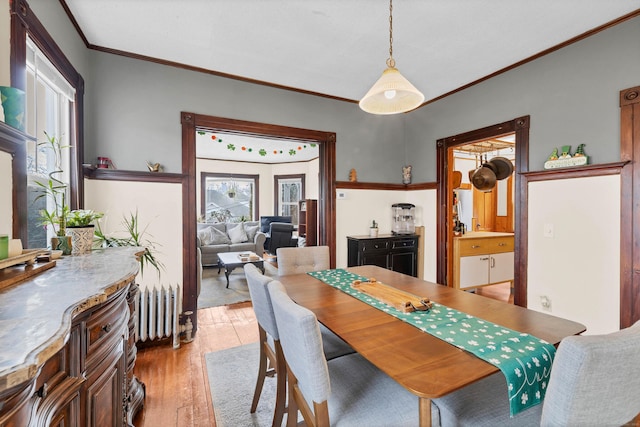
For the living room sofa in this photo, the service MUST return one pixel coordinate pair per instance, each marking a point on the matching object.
(227, 237)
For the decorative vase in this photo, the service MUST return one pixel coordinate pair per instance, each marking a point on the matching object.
(12, 100)
(62, 243)
(373, 232)
(81, 239)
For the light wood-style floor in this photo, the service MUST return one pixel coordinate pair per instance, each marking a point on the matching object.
(176, 380)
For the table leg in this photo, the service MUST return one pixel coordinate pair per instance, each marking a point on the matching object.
(425, 411)
(226, 273)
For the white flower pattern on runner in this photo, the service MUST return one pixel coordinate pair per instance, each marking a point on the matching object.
(524, 359)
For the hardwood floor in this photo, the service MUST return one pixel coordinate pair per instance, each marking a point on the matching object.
(176, 380)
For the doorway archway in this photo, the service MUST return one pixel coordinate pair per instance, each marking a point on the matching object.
(326, 203)
(519, 126)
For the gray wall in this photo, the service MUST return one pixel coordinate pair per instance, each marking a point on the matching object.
(132, 111)
(136, 117)
(572, 96)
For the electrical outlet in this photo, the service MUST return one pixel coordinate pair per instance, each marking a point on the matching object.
(548, 231)
(545, 302)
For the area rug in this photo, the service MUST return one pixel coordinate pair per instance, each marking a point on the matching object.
(214, 293)
(232, 378)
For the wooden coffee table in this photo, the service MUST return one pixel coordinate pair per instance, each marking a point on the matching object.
(232, 260)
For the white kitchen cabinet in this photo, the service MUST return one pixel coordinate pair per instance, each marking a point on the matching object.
(482, 258)
(482, 270)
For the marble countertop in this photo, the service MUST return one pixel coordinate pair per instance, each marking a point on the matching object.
(36, 315)
(482, 234)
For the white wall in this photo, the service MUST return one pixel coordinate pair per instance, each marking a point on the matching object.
(578, 268)
(159, 209)
(266, 172)
(359, 208)
(6, 196)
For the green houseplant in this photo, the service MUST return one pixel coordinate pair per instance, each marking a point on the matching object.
(55, 190)
(80, 226)
(132, 237)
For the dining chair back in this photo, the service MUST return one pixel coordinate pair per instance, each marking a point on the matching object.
(271, 356)
(303, 259)
(347, 390)
(595, 381)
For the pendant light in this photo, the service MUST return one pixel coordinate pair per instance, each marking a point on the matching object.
(392, 93)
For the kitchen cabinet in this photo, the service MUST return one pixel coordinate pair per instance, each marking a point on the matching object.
(483, 258)
(397, 252)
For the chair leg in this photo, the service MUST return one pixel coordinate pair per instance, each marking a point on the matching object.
(292, 405)
(262, 370)
(281, 385)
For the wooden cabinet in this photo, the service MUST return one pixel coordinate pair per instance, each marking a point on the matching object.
(394, 252)
(72, 361)
(482, 259)
(308, 221)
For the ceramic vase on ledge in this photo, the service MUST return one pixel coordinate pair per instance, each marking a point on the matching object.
(12, 100)
(81, 239)
(62, 243)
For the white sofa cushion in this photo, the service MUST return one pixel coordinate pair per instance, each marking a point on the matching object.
(237, 234)
(219, 237)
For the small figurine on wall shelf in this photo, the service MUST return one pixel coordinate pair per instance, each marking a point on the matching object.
(566, 159)
(154, 167)
(406, 174)
(565, 152)
(353, 176)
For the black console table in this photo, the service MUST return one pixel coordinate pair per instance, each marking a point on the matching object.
(397, 252)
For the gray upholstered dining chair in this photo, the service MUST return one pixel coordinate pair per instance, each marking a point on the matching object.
(347, 390)
(271, 356)
(303, 259)
(595, 381)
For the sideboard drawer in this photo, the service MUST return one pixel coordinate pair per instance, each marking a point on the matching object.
(105, 322)
(488, 245)
(374, 245)
(404, 243)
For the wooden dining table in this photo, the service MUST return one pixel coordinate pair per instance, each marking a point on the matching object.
(423, 364)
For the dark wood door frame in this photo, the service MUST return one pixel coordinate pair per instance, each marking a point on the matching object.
(327, 188)
(519, 126)
(630, 198)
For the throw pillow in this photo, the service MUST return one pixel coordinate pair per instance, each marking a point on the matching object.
(251, 230)
(237, 235)
(219, 237)
(205, 236)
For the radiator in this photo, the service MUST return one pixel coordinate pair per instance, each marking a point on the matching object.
(158, 314)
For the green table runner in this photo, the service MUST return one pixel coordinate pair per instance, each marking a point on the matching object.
(524, 359)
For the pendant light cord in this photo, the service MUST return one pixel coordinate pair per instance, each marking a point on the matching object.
(391, 62)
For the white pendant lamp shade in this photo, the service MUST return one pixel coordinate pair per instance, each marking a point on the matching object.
(391, 94)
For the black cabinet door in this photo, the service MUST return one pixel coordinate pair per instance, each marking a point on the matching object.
(404, 262)
(379, 259)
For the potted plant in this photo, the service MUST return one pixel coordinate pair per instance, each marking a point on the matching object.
(373, 230)
(134, 237)
(55, 190)
(80, 226)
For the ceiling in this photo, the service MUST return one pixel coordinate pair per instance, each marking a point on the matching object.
(338, 48)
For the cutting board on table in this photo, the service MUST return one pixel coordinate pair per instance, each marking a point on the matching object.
(396, 298)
